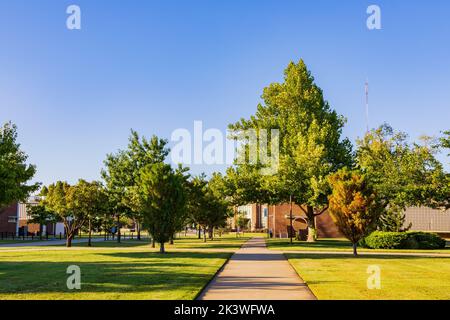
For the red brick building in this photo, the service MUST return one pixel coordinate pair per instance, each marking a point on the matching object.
(14, 219)
(275, 218)
(9, 219)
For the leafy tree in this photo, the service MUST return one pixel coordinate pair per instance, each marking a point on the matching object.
(207, 204)
(310, 142)
(445, 140)
(38, 214)
(196, 191)
(242, 221)
(354, 206)
(59, 199)
(122, 171)
(217, 206)
(14, 171)
(141, 152)
(163, 200)
(116, 179)
(88, 199)
(402, 174)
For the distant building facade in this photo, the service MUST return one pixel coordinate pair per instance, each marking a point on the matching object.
(15, 219)
(275, 219)
(427, 219)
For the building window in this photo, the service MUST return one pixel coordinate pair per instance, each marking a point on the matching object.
(265, 212)
(12, 219)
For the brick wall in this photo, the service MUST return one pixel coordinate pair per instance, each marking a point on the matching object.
(279, 223)
(5, 214)
(326, 228)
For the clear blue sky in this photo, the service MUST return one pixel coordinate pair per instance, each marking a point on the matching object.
(156, 66)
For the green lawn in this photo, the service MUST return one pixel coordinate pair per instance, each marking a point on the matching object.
(129, 270)
(341, 245)
(107, 274)
(402, 277)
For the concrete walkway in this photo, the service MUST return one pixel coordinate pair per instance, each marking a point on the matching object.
(257, 273)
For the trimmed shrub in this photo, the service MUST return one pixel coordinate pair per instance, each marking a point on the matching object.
(427, 240)
(403, 240)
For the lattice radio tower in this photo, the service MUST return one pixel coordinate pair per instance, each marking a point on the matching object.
(367, 105)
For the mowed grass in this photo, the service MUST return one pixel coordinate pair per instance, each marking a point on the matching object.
(107, 274)
(341, 245)
(402, 277)
(229, 241)
(110, 270)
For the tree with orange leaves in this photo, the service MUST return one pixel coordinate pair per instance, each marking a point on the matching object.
(353, 205)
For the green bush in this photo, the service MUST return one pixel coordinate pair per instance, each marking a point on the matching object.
(403, 240)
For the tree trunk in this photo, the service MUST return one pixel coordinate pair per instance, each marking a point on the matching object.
(199, 232)
(171, 239)
(312, 231)
(41, 228)
(204, 234)
(211, 233)
(161, 248)
(138, 227)
(69, 241)
(118, 229)
(90, 234)
(291, 227)
(153, 242)
(355, 252)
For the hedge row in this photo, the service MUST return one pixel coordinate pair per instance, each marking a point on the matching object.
(403, 240)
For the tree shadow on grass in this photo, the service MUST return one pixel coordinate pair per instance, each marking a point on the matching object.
(157, 273)
(317, 244)
(168, 255)
(115, 244)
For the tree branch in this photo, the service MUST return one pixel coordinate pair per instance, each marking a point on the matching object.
(323, 210)
(305, 212)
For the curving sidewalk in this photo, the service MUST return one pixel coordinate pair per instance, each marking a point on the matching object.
(257, 273)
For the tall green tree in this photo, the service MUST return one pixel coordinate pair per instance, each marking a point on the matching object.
(402, 173)
(88, 199)
(208, 205)
(116, 179)
(163, 200)
(14, 171)
(218, 205)
(354, 206)
(310, 143)
(58, 198)
(196, 191)
(122, 171)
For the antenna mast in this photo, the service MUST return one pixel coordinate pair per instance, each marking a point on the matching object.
(367, 105)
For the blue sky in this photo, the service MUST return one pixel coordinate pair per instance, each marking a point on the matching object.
(156, 66)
